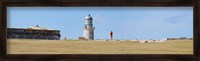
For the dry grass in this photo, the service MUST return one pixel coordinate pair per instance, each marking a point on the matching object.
(20, 46)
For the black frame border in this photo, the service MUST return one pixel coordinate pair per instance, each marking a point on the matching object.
(102, 3)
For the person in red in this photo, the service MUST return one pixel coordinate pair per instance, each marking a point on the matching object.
(111, 35)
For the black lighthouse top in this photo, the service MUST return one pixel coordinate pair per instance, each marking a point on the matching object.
(88, 17)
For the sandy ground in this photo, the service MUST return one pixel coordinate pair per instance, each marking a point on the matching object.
(25, 46)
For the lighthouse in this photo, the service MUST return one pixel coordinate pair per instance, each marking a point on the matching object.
(88, 31)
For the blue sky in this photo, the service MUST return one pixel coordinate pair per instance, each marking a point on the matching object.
(125, 22)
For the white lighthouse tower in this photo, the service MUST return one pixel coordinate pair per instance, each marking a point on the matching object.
(88, 31)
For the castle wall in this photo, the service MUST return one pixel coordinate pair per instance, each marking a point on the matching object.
(179, 38)
(14, 33)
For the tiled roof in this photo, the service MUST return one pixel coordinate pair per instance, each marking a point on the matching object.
(38, 28)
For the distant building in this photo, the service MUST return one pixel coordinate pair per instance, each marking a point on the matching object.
(82, 38)
(181, 38)
(34, 32)
(88, 31)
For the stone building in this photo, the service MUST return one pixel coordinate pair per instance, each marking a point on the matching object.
(34, 32)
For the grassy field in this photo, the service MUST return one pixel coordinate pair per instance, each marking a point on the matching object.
(20, 46)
